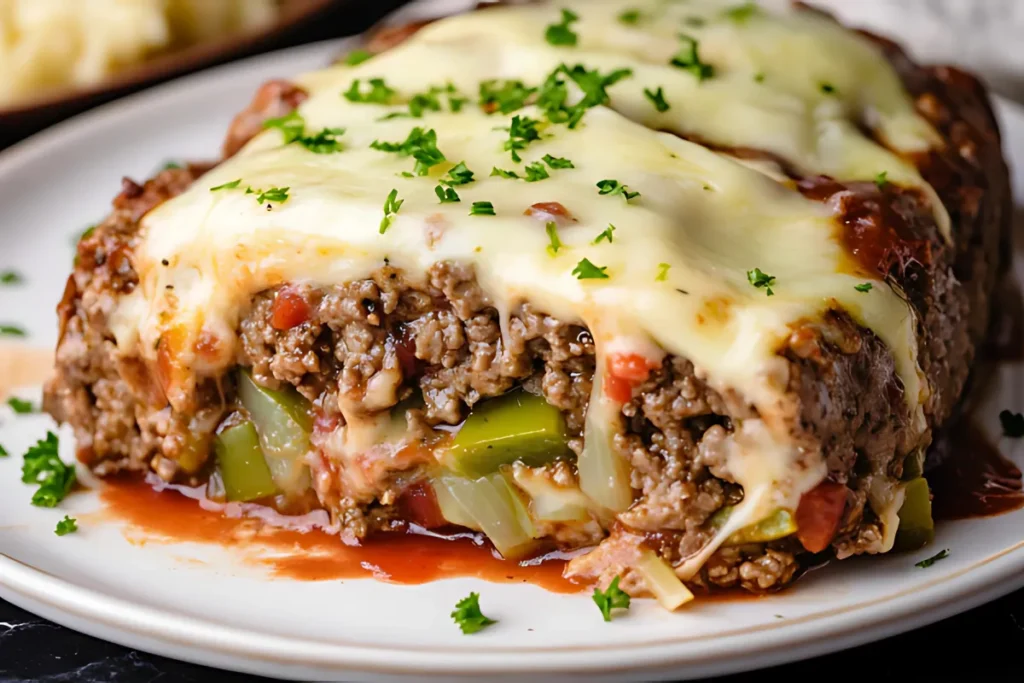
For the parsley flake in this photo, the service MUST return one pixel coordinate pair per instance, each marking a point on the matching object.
(941, 555)
(828, 88)
(20, 405)
(3, 452)
(11, 277)
(606, 234)
(562, 33)
(502, 173)
(482, 209)
(882, 180)
(612, 598)
(11, 331)
(554, 94)
(614, 187)
(391, 206)
(324, 142)
(662, 272)
(521, 132)
(504, 96)
(630, 16)
(227, 186)
(68, 525)
(420, 145)
(468, 617)
(761, 280)
(274, 194)
(585, 270)
(688, 58)
(378, 92)
(551, 228)
(657, 98)
(291, 125)
(759, 77)
(293, 129)
(446, 194)
(741, 13)
(535, 172)
(863, 287)
(1013, 424)
(557, 162)
(357, 57)
(458, 175)
(42, 465)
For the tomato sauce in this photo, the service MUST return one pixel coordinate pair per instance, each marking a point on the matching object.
(396, 557)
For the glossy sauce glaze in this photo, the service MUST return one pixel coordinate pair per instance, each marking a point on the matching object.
(314, 555)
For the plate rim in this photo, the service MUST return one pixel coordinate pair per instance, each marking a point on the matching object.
(208, 642)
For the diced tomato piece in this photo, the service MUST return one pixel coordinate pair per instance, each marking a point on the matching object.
(617, 389)
(819, 514)
(419, 506)
(290, 309)
(405, 349)
(631, 367)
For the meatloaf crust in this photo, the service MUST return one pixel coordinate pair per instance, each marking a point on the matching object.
(443, 337)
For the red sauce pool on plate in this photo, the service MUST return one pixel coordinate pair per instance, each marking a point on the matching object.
(403, 558)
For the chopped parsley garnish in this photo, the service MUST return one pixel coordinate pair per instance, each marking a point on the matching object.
(11, 331)
(85, 233)
(291, 125)
(391, 206)
(357, 57)
(378, 92)
(741, 13)
(502, 173)
(293, 129)
(551, 228)
(506, 98)
(227, 186)
(68, 525)
(10, 277)
(612, 598)
(557, 162)
(863, 287)
(420, 145)
(274, 194)
(42, 465)
(468, 617)
(662, 272)
(585, 270)
(535, 172)
(458, 175)
(482, 209)
(657, 98)
(1013, 424)
(688, 58)
(828, 89)
(606, 234)
(615, 187)
(759, 77)
(761, 280)
(170, 166)
(630, 16)
(20, 405)
(695, 22)
(446, 194)
(3, 452)
(941, 555)
(554, 94)
(562, 33)
(521, 132)
(882, 180)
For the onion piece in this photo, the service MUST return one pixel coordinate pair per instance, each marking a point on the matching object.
(604, 474)
(550, 502)
(494, 508)
(662, 581)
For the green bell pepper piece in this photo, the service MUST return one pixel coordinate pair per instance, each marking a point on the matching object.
(242, 466)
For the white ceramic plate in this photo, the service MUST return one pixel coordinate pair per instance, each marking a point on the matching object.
(199, 603)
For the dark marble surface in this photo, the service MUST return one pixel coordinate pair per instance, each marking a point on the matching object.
(983, 644)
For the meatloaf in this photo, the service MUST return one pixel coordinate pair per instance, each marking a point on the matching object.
(687, 285)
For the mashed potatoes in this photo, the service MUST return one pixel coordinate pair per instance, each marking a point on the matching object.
(51, 44)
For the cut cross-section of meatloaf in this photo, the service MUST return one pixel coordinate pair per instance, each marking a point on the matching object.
(695, 303)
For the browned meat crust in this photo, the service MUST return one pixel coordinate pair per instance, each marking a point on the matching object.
(445, 340)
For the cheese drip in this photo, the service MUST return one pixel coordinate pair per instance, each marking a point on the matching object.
(678, 263)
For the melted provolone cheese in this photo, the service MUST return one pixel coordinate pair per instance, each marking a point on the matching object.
(702, 219)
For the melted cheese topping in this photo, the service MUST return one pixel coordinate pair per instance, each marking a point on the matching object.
(707, 217)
